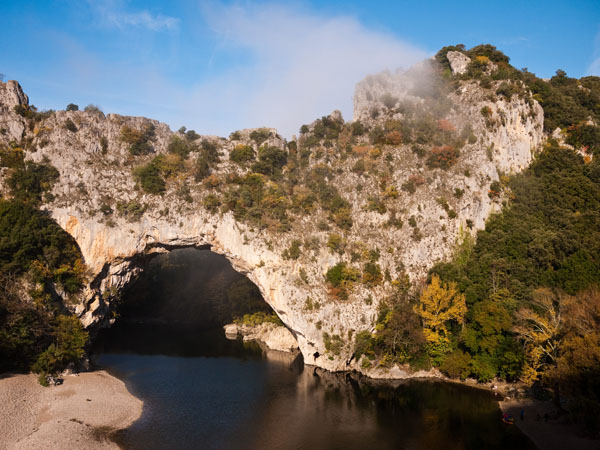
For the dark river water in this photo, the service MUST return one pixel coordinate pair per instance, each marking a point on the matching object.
(202, 391)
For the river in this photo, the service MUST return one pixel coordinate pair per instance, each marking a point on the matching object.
(202, 391)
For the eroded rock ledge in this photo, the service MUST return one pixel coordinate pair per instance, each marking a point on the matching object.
(275, 337)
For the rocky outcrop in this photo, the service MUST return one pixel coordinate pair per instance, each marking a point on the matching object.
(458, 62)
(275, 337)
(118, 226)
(11, 95)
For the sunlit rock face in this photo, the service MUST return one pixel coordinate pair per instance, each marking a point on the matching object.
(458, 62)
(117, 225)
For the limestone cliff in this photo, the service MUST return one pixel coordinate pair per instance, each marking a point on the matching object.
(117, 225)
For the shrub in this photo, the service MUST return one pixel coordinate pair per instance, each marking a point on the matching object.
(104, 145)
(70, 341)
(495, 189)
(586, 137)
(393, 137)
(210, 151)
(150, 178)
(411, 184)
(364, 344)
(180, 146)
(442, 157)
(93, 109)
(69, 125)
(11, 157)
(212, 203)
(261, 135)
(456, 364)
(333, 344)
(341, 275)
(242, 154)
(30, 181)
(372, 275)
(391, 192)
(138, 140)
(191, 135)
(445, 125)
(507, 90)
(357, 129)
(343, 218)
(270, 161)
(490, 52)
(359, 167)
(376, 204)
(483, 368)
(418, 150)
(336, 243)
(72, 107)
(201, 169)
(259, 318)
(27, 235)
(293, 252)
(131, 210)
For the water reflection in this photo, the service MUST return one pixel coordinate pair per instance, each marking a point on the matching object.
(230, 395)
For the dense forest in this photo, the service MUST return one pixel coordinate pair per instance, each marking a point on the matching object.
(41, 262)
(522, 300)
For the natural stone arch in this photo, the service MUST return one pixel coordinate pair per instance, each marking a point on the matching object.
(115, 258)
(96, 165)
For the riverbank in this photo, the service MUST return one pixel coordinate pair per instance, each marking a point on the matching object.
(555, 433)
(79, 414)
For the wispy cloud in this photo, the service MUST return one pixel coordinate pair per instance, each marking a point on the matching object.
(113, 13)
(299, 65)
(275, 66)
(594, 67)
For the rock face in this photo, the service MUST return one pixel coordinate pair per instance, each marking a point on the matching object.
(118, 226)
(458, 62)
(275, 337)
(11, 95)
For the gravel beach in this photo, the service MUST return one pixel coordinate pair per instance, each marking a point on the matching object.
(79, 414)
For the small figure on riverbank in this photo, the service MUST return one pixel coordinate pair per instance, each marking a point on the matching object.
(522, 414)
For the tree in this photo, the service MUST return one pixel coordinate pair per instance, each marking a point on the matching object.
(150, 178)
(539, 327)
(68, 347)
(398, 331)
(440, 304)
(72, 107)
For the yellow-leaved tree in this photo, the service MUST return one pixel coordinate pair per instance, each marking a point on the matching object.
(439, 305)
(539, 326)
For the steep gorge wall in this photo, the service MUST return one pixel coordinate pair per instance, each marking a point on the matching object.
(93, 175)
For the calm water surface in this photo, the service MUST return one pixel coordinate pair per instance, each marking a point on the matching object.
(201, 391)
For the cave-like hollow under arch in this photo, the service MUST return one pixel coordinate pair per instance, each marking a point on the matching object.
(177, 299)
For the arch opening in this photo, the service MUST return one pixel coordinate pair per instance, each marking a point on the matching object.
(180, 304)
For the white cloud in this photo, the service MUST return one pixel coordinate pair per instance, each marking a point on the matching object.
(594, 68)
(301, 66)
(290, 67)
(112, 13)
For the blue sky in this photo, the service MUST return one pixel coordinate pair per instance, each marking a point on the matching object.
(220, 66)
